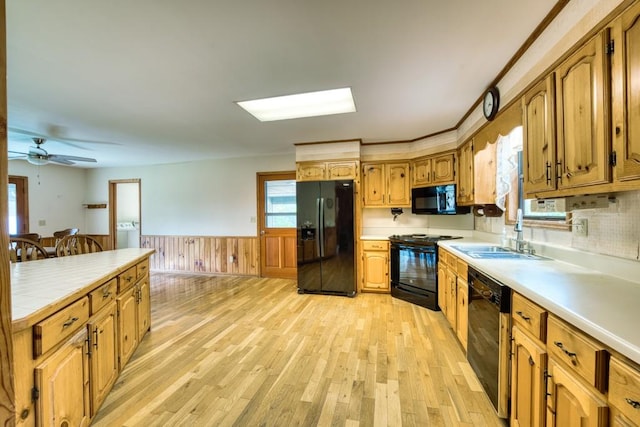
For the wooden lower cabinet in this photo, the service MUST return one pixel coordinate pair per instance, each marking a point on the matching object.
(62, 381)
(624, 392)
(102, 330)
(528, 368)
(570, 402)
(375, 266)
(144, 308)
(462, 311)
(127, 325)
(451, 294)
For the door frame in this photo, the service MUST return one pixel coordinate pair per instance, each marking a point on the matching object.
(22, 199)
(260, 211)
(113, 207)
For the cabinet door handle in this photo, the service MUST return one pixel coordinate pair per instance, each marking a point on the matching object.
(565, 351)
(95, 341)
(69, 322)
(634, 403)
(548, 173)
(521, 314)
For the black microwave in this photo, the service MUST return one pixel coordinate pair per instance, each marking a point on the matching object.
(436, 200)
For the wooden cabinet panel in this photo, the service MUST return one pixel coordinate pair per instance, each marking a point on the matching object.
(144, 308)
(626, 94)
(421, 172)
(311, 171)
(386, 184)
(624, 389)
(63, 384)
(127, 278)
(442, 287)
(373, 184)
(528, 367)
(465, 175)
(539, 139)
(103, 295)
(529, 316)
(127, 325)
(399, 190)
(570, 403)
(104, 354)
(375, 263)
(462, 310)
(484, 178)
(452, 290)
(342, 170)
(582, 111)
(54, 329)
(584, 356)
(444, 168)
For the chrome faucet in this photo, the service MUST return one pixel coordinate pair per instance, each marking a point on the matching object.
(520, 243)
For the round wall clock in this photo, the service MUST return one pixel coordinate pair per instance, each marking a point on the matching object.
(490, 103)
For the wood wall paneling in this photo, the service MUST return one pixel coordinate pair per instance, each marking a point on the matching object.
(204, 254)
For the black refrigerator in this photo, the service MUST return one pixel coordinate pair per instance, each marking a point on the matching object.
(326, 237)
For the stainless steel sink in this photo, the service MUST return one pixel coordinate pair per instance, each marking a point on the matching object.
(495, 252)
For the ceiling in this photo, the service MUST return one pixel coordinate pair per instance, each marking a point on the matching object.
(156, 81)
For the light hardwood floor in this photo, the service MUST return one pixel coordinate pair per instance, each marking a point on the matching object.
(248, 351)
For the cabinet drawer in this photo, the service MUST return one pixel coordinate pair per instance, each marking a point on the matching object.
(126, 279)
(375, 245)
(624, 389)
(59, 326)
(529, 316)
(584, 355)
(103, 295)
(142, 268)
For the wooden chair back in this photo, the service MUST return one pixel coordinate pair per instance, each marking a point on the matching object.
(21, 249)
(75, 244)
(35, 237)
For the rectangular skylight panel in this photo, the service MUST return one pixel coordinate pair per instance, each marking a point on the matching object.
(310, 104)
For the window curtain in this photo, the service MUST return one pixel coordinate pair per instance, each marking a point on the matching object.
(507, 148)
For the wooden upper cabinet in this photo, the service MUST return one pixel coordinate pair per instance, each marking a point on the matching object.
(398, 184)
(433, 170)
(373, 183)
(322, 170)
(465, 176)
(538, 119)
(484, 178)
(311, 171)
(582, 102)
(625, 65)
(386, 184)
(343, 170)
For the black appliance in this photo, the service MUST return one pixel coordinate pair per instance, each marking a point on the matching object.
(414, 268)
(489, 338)
(436, 200)
(325, 213)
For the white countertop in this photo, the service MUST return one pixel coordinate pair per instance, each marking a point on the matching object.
(603, 306)
(41, 286)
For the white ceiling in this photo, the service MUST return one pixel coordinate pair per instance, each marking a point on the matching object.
(159, 78)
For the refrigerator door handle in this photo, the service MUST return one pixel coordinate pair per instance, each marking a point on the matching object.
(321, 227)
(318, 227)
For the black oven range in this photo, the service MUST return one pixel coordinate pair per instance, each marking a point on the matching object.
(414, 268)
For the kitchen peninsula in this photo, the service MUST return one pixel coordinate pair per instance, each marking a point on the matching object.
(76, 322)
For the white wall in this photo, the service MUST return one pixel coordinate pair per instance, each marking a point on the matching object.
(56, 196)
(206, 198)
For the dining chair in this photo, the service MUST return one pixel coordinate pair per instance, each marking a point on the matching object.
(66, 232)
(75, 244)
(21, 249)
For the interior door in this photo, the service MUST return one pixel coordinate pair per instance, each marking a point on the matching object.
(124, 213)
(277, 224)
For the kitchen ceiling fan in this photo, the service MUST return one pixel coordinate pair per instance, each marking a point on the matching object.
(38, 156)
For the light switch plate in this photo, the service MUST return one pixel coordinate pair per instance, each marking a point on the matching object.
(580, 227)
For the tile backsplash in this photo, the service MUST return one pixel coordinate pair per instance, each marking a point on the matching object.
(613, 231)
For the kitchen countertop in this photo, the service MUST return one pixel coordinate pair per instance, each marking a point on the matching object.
(39, 288)
(601, 305)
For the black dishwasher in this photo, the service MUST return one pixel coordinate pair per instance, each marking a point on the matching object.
(489, 336)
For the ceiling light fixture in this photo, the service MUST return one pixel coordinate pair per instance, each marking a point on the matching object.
(310, 104)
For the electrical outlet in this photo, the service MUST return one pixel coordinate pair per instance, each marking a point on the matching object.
(580, 227)
(42, 222)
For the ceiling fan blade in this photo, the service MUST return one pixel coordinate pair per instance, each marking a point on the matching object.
(61, 161)
(17, 152)
(63, 157)
(55, 135)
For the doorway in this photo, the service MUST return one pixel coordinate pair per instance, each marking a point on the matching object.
(124, 213)
(277, 224)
